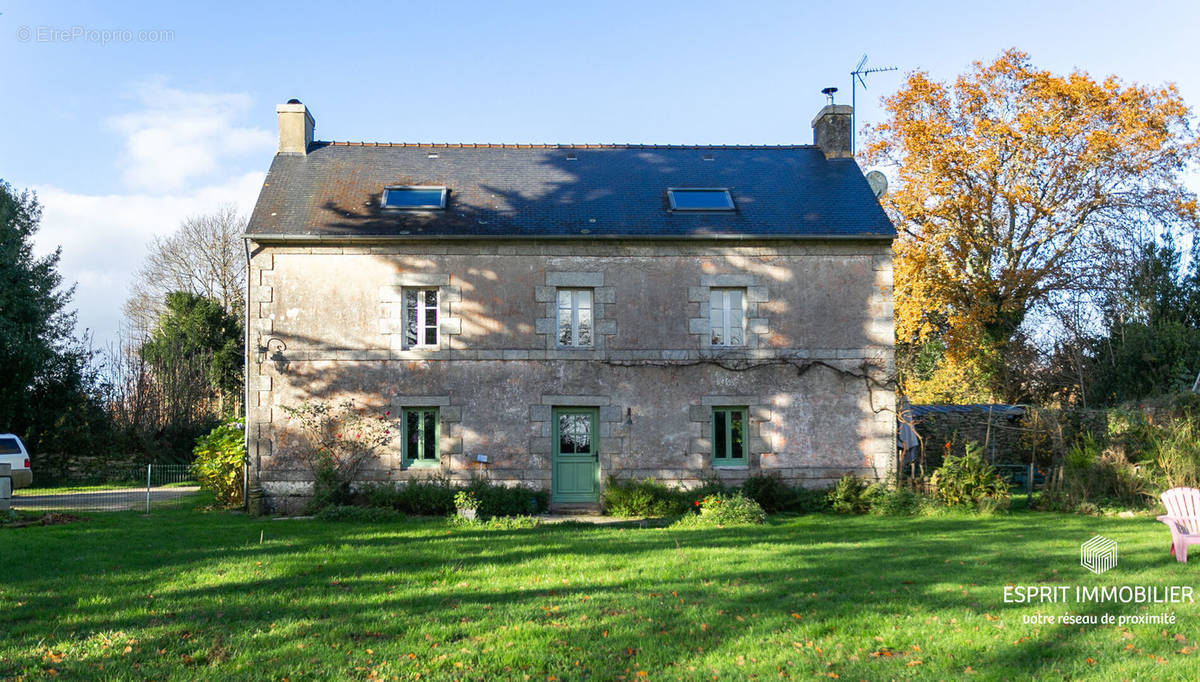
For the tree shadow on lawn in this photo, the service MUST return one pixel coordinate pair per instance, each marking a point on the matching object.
(667, 593)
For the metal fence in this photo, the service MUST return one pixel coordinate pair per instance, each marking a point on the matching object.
(1023, 477)
(135, 488)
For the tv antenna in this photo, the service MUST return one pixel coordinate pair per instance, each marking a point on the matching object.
(856, 77)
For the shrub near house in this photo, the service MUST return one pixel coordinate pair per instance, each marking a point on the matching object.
(218, 464)
(969, 481)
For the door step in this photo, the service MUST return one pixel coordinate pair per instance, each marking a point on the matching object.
(576, 508)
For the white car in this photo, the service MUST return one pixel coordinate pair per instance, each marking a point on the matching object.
(12, 451)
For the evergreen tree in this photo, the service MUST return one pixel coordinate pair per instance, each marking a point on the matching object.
(47, 383)
(1152, 344)
(196, 334)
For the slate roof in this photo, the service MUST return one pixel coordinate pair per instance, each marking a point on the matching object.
(507, 191)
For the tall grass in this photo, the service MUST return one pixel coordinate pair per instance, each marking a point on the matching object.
(1177, 454)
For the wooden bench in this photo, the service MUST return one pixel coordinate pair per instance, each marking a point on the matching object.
(1183, 518)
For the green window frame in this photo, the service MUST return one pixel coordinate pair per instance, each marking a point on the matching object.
(730, 443)
(421, 427)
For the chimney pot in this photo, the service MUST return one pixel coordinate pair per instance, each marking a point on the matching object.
(296, 126)
(831, 130)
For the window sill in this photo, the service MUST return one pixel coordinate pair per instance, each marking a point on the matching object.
(730, 466)
(420, 465)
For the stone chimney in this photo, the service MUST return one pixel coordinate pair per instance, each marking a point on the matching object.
(295, 127)
(831, 130)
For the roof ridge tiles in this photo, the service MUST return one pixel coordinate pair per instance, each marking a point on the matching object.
(572, 145)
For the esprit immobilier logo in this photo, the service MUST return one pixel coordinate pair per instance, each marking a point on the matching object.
(1098, 554)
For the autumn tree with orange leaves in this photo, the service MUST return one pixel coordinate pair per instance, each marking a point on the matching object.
(1018, 189)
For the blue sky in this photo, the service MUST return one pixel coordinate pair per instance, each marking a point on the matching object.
(128, 117)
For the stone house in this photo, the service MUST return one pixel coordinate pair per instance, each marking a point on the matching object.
(551, 315)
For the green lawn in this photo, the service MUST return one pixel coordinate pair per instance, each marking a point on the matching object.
(196, 595)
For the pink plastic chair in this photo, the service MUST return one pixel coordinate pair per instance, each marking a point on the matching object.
(1183, 518)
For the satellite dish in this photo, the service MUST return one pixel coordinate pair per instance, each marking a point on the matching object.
(878, 183)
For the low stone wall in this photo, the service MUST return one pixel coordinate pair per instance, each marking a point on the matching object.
(1037, 434)
(5, 486)
(945, 434)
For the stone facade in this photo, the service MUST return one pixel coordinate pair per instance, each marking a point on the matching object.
(814, 372)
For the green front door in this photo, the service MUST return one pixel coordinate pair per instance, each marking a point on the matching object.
(576, 475)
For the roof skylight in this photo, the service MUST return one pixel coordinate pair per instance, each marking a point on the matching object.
(700, 199)
(413, 197)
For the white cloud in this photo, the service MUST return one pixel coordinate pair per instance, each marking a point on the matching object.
(184, 155)
(104, 238)
(179, 136)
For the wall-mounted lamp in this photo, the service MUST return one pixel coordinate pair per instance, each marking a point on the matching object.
(629, 416)
(274, 350)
